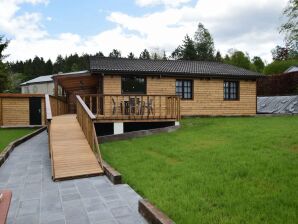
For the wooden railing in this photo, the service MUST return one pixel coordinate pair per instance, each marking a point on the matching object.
(49, 118)
(133, 107)
(86, 121)
(59, 105)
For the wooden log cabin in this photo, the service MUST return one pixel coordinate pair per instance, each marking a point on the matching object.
(119, 90)
(119, 95)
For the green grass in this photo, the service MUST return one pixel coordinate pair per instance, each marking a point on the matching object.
(216, 170)
(11, 134)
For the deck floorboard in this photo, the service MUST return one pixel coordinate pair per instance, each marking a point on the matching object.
(71, 155)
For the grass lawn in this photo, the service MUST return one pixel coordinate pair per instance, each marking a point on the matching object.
(11, 134)
(216, 170)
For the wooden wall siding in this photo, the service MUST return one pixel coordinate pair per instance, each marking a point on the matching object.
(207, 95)
(112, 84)
(15, 111)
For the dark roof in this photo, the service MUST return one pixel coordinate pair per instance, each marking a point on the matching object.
(167, 67)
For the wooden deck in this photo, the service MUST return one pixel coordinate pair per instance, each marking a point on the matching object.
(71, 155)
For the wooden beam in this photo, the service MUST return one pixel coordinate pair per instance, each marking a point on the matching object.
(56, 87)
(48, 108)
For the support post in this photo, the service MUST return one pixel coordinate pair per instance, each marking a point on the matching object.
(118, 128)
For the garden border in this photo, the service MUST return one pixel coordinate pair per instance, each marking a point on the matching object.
(113, 175)
(8, 149)
(152, 214)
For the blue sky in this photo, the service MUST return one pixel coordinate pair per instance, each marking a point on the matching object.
(50, 27)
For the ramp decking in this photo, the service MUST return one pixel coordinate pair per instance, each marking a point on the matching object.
(71, 155)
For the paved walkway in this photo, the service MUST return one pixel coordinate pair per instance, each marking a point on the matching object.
(37, 199)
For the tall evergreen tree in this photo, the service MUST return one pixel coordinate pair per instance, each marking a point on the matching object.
(204, 44)
(49, 67)
(187, 51)
(59, 64)
(164, 57)
(145, 54)
(99, 54)
(115, 54)
(218, 57)
(130, 56)
(199, 48)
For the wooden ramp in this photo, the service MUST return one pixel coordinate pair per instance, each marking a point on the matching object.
(71, 154)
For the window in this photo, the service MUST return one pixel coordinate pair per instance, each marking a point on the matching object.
(184, 89)
(231, 90)
(133, 84)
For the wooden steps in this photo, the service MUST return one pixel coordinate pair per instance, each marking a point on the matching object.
(71, 155)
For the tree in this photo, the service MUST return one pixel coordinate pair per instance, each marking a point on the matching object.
(238, 58)
(3, 77)
(145, 54)
(278, 67)
(99, 54)
(204, 44)
(218, 57)
(187, 51)
(164, 57)
(3, 67)
(49, 67)
(280, 53)
(258, 64)
(199, 48)
(3, 46)
(131, 55)
(59, 64)
(115, 54)
(290, 27)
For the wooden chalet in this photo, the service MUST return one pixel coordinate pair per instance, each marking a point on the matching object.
(116, 94)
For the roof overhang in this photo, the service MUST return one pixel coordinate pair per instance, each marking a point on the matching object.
(75, 82)
(176, 74)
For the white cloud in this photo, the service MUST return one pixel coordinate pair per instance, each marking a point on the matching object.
(168, 3)
(23, 26)
(49, 18)
(246, 25)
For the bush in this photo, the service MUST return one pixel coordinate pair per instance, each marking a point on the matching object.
(278, 67)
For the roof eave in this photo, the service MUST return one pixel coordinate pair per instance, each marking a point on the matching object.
(175, 74)
(26, 84)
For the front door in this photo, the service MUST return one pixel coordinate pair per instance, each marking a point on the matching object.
(35, 110)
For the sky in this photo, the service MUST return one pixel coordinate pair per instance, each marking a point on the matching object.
(47, 28)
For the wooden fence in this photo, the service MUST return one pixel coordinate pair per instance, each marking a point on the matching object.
(278, 85)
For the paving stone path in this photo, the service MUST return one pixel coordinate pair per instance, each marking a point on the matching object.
(37, 199)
